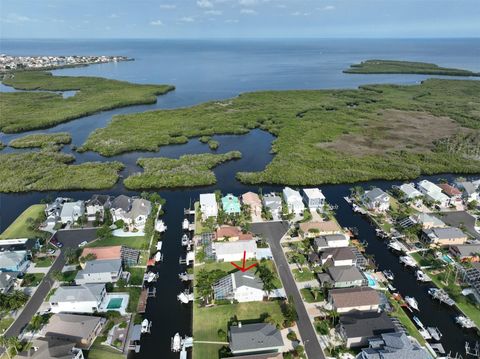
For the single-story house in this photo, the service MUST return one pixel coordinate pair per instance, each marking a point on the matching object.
(294, 201)
(81, 330)
(252, 200)
(129, 256)
(97, 205)
(348, 299)
(231, 233)
(466, 252)
(7, 281)
(440, 198)
(314, 198)
(316, 228)
(376, 200)
(100, 271)
(428, 221)
(340, 256)
(426, 187)
(469, 191)
(449, 190)
(330, 241)
(394, 346)
(14, 261)
(342, 277)
(19, 244)
(233, 251)
(239, 286)
(208, 205)
(72, 211)
(357, 328)
(409, 191)
(273, 203)
(47, 348)
(257, 338)
(86, 298)
(444, 236)
(231, 204)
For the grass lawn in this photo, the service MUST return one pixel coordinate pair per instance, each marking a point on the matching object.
(20, 228)
(43, 262)
(49, 295)
(134, 293)
(32, 279)
(69, 276)
(207, 322)
(304, 276)
(307, 295)
(405, 320)
(5, 323)
(427, 260)
(132, 242)
(99, 351)
(136, 275)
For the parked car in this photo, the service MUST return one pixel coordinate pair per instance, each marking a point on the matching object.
(83, 244)
(56, 243)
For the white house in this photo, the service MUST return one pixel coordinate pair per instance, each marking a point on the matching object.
(409, 191)
(314, 198)
(376, 200)
(72, 211)
(337, 257)
(208, 205)
(294, 201)
(96, 206)
(469, 190)
(233, 251)
(239, 286)
(100, 271)
(439, 198)
(85, 298)
(133, 211)
(427, 187)
(330, 241)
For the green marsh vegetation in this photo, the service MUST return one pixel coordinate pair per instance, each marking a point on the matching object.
(42, 140)
(405, 67)
(2, 145)
(43, 171)
(323, 136)
(186, 171)
(22, 111)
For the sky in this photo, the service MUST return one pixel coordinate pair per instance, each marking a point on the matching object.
(239, 18)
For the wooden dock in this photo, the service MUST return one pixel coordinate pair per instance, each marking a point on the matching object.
(142, 301)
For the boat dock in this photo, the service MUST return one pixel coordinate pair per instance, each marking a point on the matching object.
(185, 277)
(408, 261)
(441, 296)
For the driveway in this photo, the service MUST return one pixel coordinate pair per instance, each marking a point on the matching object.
(273, 232)
(70, 239)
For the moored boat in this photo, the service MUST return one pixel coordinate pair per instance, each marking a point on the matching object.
(388, 274)
(184, 240)
(412, 302)
(185, 224)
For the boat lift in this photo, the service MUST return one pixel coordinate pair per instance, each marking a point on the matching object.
(189, 259)
(186, 277)
(180, 345)
(186, 297)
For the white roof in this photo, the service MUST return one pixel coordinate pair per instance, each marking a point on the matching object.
(290, 193)
(69, 208)
(11, 258)
(438, 196)
(429, 186)
(313, 193)
(237, 247)
(409, 190)
(208, 199)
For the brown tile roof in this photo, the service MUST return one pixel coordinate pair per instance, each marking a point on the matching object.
(231, 232)
(322, 227)
(353, 297)
(111, 252)
(251, 198)
(450, 190)
(339, 253)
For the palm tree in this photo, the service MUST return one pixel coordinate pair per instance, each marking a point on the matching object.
(4, 343)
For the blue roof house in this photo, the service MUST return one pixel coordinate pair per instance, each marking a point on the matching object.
(231, 204)
(13, 261)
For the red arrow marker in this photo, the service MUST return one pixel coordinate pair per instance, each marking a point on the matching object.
(242, 268)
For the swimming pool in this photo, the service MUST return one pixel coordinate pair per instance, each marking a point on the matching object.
(115, 303)
(371, 281)
(447, 258)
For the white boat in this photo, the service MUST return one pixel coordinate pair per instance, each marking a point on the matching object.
(348, 199)
(185, 224)
(422, 276)
(412, 302)
(185, 297)
(184, 240)
(159, 245)
(394, 245)
(408, 261)
(158, 256)
(388, 274)
(391, 288)
(424, 333)
(441, 295)
(418, 322)
(150, 277)
(176, 343)
(464, 322)
(160, 226)
(435, 333)
(145, 326)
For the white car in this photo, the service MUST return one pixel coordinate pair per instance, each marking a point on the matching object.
(83, 244)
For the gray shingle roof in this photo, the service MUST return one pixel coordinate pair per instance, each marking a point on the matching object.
(339, 253)
(253, 337)
(394, 346)
(102, 266)
(78, 293)
(248, 279)
(45, 348)
(345, 274)
(445, 233)
(72, 326)
(376, 194)
(366, 324)
(123, 202)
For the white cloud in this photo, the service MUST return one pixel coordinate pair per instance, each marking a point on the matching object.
(205, 4)
(247, 2)
(168, 6)
(113, 16)
(213, 12)
(187, 19)
(329, 7)
(14, 18)
(248, 12)
(156, 23)
(231, 21)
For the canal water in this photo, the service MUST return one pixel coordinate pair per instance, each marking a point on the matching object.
(209, 70)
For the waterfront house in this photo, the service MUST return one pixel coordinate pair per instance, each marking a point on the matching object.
(231, 234)
(252, 200)
(393, 346)
(96, 206)
(129, 256)
(426, 187)
(72, 211)
(469, 191)
(256, 338)
(314, 198)
(357, 327)
(342, 277)
(132, 211)
(7, 281)
(444, 236)
(239, 286)
(466, 252)
(233, 251)
(339, 256)
(410, 193)
(427, 221)
(471, 276)
(231, 204)
(316, 228)
(293, 200)
(100, 271)
(208, 205)
(82, 330)
(14, 261)
(433, 193)
(85, 298)
(273, 204)
(344, 300)
(52, 210)
(376, 200)
(330, 241)
(47, 348)
(19, 244)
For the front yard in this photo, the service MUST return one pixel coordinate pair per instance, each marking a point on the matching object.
(43, 262)
(32, 279)
(312, 295)
(305, 275)
(132, 242)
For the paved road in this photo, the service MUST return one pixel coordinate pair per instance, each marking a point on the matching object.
(70, 239)
(273, 232)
